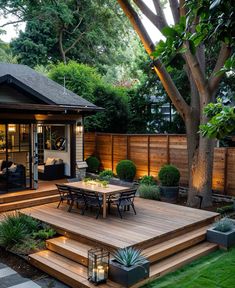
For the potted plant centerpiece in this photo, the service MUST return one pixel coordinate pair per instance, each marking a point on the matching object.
(222, 233)
(169, 177)
(128, 267)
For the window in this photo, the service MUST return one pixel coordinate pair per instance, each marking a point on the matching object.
(55, 137)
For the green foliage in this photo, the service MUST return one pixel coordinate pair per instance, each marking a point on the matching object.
(148, 180)
(44, 234)
(224, 225)
(28, 246)
(114, 118)
(12, 232)
(222, 120)
(126, 170)
(106, 175)
(93, 164)
(86, 28)
(79, 78)
(149, 192)
(129, 257)
(87, 83)
(169, 175)
(225, 209)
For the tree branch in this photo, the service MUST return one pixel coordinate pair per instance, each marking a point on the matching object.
(224, 54)
(198, 76)
(174, 4)
(11, 23)
(159, 68)
(157, 21)
(74, 43)
(159, 11)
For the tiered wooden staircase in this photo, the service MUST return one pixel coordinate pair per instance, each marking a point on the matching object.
(27, 198)
(66, 259)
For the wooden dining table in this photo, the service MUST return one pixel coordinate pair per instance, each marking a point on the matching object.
(110, 189)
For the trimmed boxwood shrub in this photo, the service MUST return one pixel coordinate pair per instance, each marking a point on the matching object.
(149, 192)
(93, 164)
(169, 175)
(147, 180)
(126, 170)
(106, 175)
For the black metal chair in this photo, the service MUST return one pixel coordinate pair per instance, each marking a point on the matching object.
(77, 196)
(125, 200)
(92, 199)
(64, 193)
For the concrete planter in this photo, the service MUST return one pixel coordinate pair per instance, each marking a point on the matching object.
(224, 239)
(128, 276)
(169, 194)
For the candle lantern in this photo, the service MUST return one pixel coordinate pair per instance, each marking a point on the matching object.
(98, 265)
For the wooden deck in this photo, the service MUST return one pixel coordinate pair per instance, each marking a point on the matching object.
(155, 221)
(170, 236)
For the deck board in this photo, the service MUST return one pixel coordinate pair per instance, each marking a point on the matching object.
(154, 219)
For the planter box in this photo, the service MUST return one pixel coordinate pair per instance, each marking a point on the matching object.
(169, 194)
(128, 276)
(225, 239)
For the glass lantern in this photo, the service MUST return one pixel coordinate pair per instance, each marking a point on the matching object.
(98, 265)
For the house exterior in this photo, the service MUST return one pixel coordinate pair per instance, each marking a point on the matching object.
(40, 120)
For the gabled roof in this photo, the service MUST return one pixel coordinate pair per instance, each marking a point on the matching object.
(43, 88)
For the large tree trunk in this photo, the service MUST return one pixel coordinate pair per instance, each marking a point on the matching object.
(200, 161)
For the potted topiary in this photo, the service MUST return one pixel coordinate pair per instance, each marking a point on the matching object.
(128, 267)
(169, 177)
(126, 170)
(222, 233)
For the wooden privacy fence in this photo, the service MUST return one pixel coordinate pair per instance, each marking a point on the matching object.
(150, 152)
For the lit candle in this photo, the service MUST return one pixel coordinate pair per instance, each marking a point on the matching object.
(94, 272)
(100, 272)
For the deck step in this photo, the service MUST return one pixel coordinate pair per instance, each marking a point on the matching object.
(66, 270)
(28, 203)
(178, 260)
(25, 195)
(175, 245)
(70, 249)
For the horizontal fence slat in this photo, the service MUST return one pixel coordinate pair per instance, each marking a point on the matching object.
(150, 152)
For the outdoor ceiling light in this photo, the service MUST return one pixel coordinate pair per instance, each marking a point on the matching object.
(11, 128)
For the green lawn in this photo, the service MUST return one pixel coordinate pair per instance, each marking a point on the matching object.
(216, 270)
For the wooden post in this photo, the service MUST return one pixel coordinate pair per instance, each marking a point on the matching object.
(168, 150)
(95, 144)
(226, 171)
(112, 151)
(148, 155)
(127, 147)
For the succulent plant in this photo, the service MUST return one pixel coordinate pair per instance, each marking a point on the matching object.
(129, 257)
(224, 225)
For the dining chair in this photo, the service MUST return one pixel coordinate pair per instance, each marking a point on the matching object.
(92, 199)
(77, 196)
(125, 200)
(64, 193)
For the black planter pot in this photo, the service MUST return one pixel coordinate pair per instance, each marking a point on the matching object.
(128, 276)
(225, 239)
(169, 194)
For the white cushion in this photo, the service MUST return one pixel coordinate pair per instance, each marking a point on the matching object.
(50, 161)
(12, 168)
(41, 168)
(58, 161)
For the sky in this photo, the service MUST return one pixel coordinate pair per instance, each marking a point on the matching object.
(12, 32)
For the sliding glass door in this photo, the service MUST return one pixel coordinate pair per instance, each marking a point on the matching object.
(15, 157)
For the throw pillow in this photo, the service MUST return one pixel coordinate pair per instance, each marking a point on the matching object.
(58, 161)
(50, 161)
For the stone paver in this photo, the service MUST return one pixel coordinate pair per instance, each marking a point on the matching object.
(9, 278)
